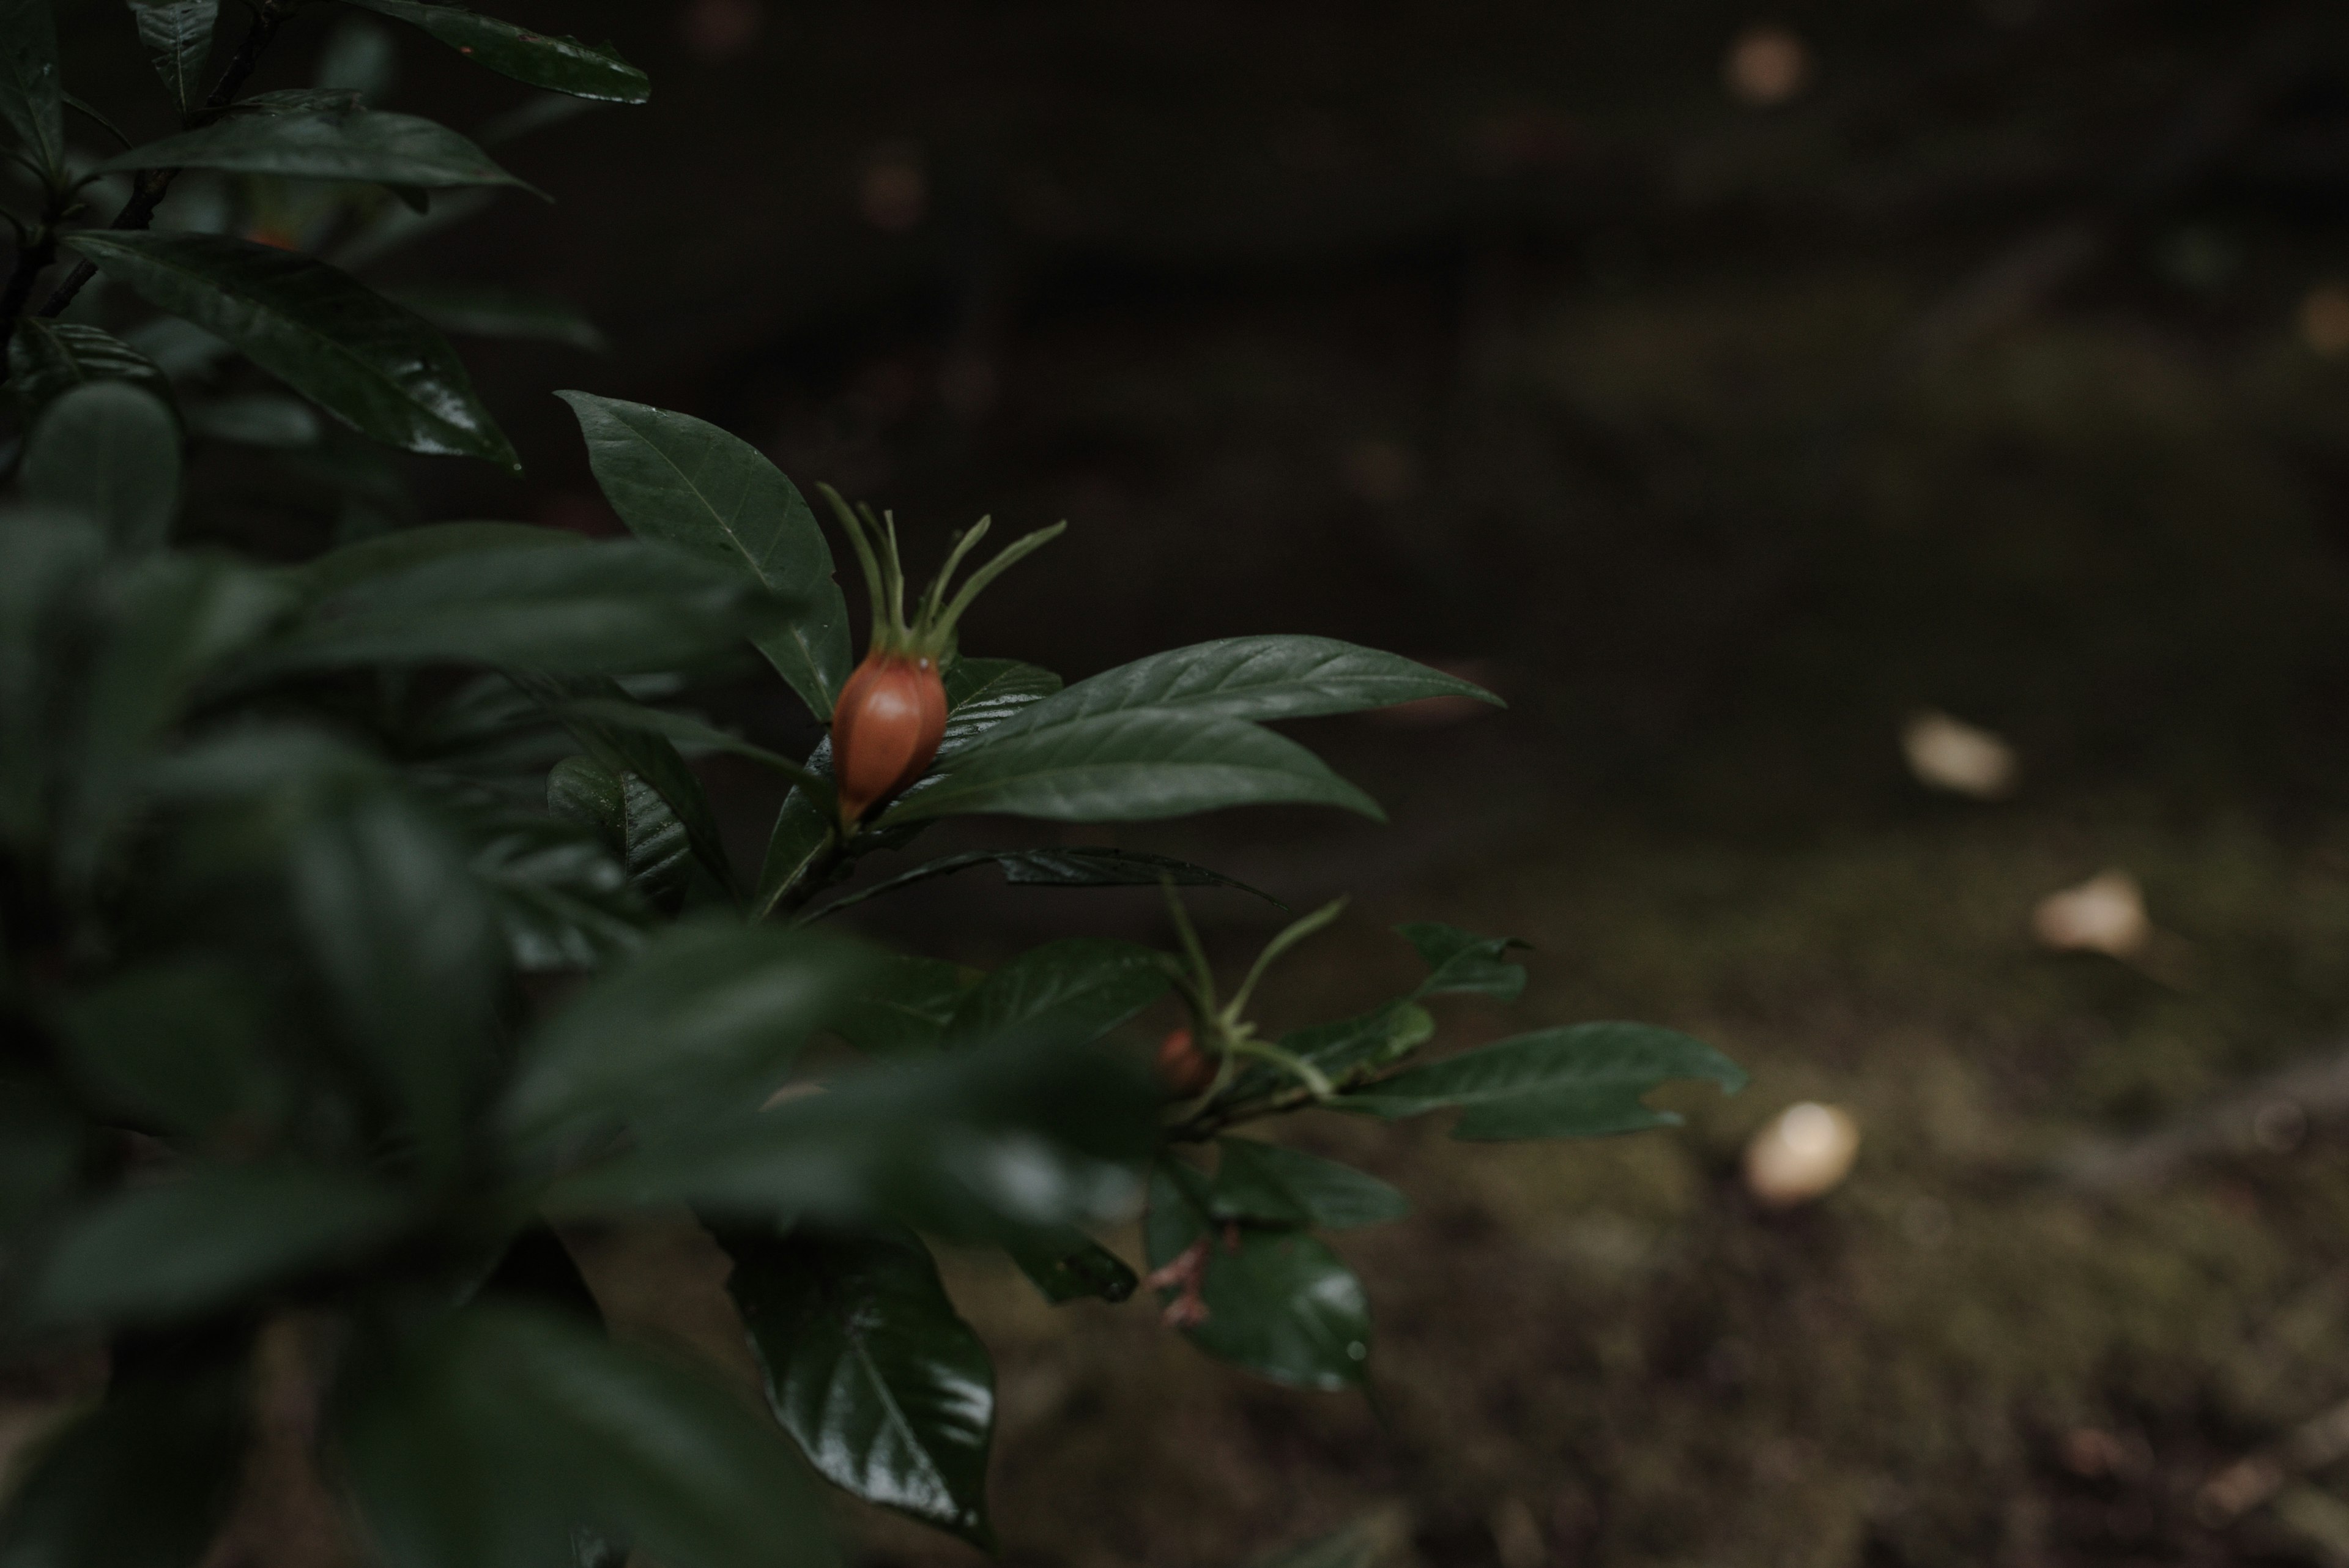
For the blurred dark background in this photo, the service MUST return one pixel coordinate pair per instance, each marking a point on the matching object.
(1724, 385)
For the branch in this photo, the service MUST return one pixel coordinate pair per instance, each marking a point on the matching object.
(150, 186)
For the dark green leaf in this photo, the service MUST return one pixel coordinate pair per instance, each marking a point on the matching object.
(1461, 961)
(889, 1393)
(965, 1144)
(359, 144)
(635, 823)
(178, 1046)
(1366, 1040)
(558, 64)
(616, 607)
(265, 420)
(48, 358)
(983, 692)
(1267, 1184)
(143, 1481)
(1126, 767)
(626, 713)
(488, 1439)
(803, 831)
(90, 111)
(907, 1004)
(1255, 678)
(1586, 1081)
(409, 944)
(563, 898)
(178, 39)
(1074, 866)
(186, 1245)
(1278, 1302)
(1079, 989)
(1067, 1265)
(301, 100)
(685, 482)
(381, 370)
(32, 98)
(110, 451)
(47, 560)
(403, 548)
(472, 311)
(622, 751)
(708, 1018)
(42, 1140)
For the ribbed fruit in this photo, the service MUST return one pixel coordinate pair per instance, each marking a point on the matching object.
(886, 729)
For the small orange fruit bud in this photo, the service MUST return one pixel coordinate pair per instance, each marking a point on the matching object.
(1184, 1068)
(886, 729)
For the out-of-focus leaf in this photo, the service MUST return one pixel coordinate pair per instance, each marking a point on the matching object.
(1256, 677)
(178, 1045)
(708, 1018)
(1126, 767)
(145, 1481)
(558, 64)
(488, 1439)
(1072, 866)
(403, 548)
(409, 944)
(627, 713)
(48, 359)
(1586, 1081)
(358, 144)
(889, 1393)
(1461, 961)
(1067, 1265)
(685, 482)
(622, 751)
(265, 420)
(46, 559)
(907, 1004)
(1077, 989)
(964, 1144)
(1278, 1302)
(301, 100)
(359, 58)
(618, 607)
(90, 111)
(477, 311)
(1267, 1184)
(178, 39)
(562, 896)
(32, 98)
(110, 450)
(383, 371)
(41, 1145)
(212, 1235)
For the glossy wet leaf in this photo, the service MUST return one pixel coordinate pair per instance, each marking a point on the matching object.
(803, 831)
(48, 359)
(1255, 678)
(32, 98)
(1126, 767)
(964, 1144)
(477, 311)
(200, 1240)
(1067, 1265)
(1278, 1302)
(888, 1391)
(358, 144)
(1461, 961)
(707, 1017)
(685, 482)
(384, 371)
(110, 451)
(177, 35)
(651, 759)
(636, 825)
(145, 1481)
(544, 60)
(906, 1003)
(1586, 1081)
(1072, 865)
(488, 1439)
(1269, 1184)
(1077, 989)
(981, 693)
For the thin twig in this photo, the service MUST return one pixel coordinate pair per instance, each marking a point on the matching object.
(150, 186)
